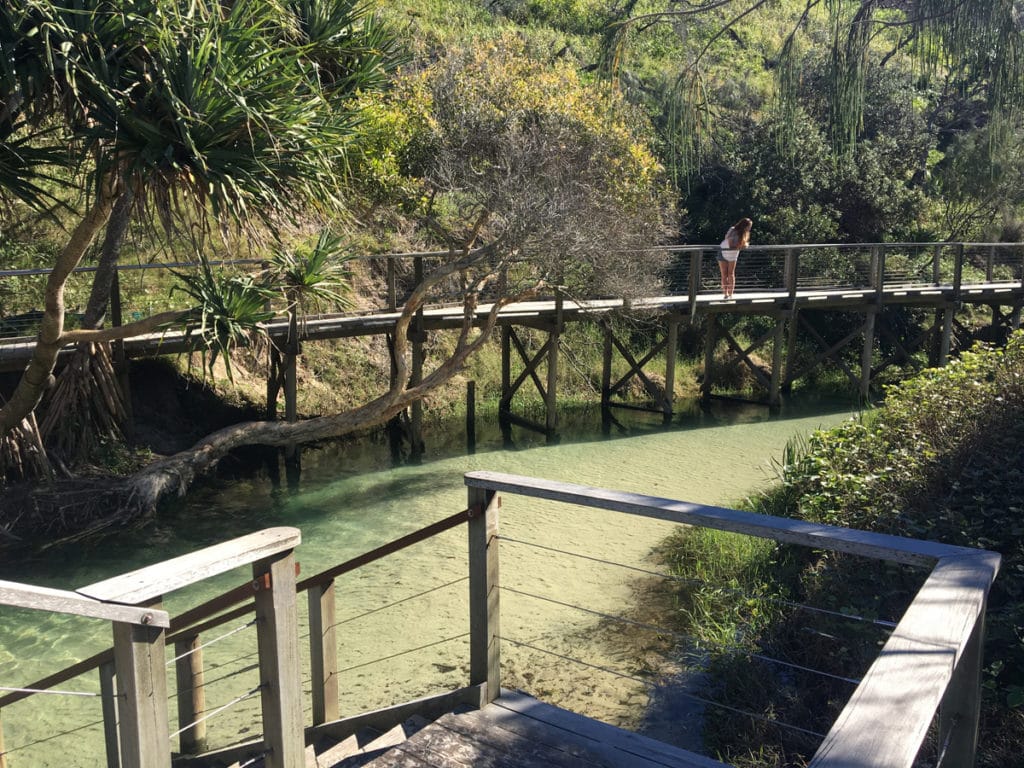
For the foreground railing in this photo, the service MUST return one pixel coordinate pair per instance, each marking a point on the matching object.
(929, 664)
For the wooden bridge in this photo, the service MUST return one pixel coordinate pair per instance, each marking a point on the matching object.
(783, 286)
(925, 677)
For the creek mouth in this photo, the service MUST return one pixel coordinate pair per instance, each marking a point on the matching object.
(561, 568)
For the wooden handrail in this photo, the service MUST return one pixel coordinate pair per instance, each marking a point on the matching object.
(188, 621)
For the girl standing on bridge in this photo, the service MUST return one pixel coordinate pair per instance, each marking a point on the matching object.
(736, 238)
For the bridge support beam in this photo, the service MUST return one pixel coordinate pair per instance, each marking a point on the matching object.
(867, 352)
(547, 388)
(661, 396)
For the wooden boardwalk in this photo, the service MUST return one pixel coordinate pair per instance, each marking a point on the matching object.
(16, 352)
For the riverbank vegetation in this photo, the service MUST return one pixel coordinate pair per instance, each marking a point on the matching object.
(537, 143)
(939, 460)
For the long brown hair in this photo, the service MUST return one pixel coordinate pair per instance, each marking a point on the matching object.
(741, 233)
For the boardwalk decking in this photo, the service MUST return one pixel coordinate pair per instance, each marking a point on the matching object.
(515, 731)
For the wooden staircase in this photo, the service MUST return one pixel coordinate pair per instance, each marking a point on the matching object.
(516, 731)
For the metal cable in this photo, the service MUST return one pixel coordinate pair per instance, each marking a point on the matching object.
(681, 636)
(234, 631)
(403, 653)
(399, 602)
(700, 699)
(945, 744)
(49, 691)
(208, 683)
(219, 709)
(688, 580)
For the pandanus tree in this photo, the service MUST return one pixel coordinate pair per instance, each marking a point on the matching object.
(198, 115)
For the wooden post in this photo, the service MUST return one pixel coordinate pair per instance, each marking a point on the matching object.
(790, 267)
(506, 369)
(392, 287)
(709, 354)
(291, 406)
(961, 705)
(947, 333)
(3, 753)
(794, 328)
(866, 352)
(108, 701)
(671, 344)
(696, 256)
(774, 396)
(484, 624)
(323, 653)
(416, 374)
(470, 416)
(278, 641)
(142, 690)
(188, 669)
(551, 393)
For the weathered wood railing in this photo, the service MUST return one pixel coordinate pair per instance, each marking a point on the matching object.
(930, 663)
(137, 733)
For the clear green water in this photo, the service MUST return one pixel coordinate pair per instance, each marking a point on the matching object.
(349, 500)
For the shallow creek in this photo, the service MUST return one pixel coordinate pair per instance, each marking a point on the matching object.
(403, 621)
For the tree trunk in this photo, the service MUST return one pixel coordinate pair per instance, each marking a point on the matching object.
(38, 375)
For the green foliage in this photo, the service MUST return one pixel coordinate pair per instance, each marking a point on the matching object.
(229, 312)
(311, 277)
(940, 460)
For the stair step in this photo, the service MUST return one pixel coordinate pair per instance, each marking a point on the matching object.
(365, 752)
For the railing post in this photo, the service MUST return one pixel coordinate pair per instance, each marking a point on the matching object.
(108, 700)
(958, 271)
(790, 273)
(3, 753)
(551, 395)
(188, 668)
(323, 652)
(418, 335)
(484, 619)
(671, 350)
(142, 692)
(278, 641)
(392, 287)
(696, 256)
(961, 705)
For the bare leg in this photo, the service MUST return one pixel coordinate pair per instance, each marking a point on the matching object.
(723, 267)
(728, 278)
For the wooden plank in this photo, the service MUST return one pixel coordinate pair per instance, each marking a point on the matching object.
(191, 681)
(878, 545)
(62, 601)
(484, 615)
(385, 719)
(626, 745)
(142, 690)
(277, 635)
(890, 712)
(162, 578)
(323, 653)
(527, 743)
(108, 699)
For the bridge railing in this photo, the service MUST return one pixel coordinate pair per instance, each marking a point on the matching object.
(144, 289)
(930, 663)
